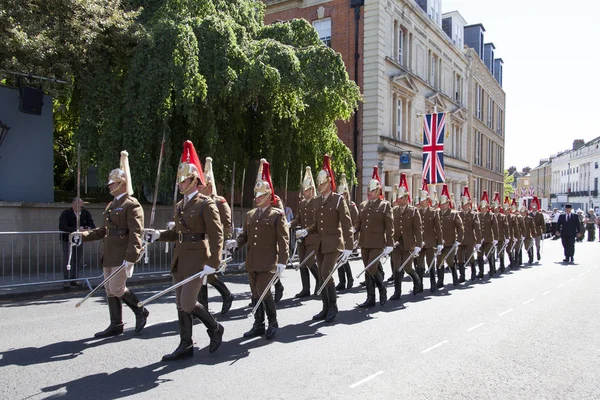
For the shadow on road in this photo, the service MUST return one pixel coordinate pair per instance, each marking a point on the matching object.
(67, 350)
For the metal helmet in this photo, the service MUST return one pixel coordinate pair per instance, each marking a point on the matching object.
(424, 192)
(308, 181)
(122, 175)
(485, 200)
(189, 166)
(445, 196)
(264, 185)
(375, 182)
(342, 187)
(326, 173)
(403, 190)
(466, 197)
(209, 175)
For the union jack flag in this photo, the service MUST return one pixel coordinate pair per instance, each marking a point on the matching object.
(434, 130)
(522, 192)
(532, 190)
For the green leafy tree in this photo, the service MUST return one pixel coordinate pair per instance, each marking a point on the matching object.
(508, 180)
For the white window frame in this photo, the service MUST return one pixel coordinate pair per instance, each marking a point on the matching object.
(399, 118)
(324, 38)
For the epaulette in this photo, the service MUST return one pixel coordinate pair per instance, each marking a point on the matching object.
(222, 199)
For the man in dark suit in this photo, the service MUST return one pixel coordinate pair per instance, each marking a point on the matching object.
(568, 228)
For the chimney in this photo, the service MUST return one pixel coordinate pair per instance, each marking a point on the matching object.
(577, 143)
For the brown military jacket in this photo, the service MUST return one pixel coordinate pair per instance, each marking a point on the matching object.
(432, 228)
(538, 222)
(452, 227)
(408, 228)
(375, 225)
(333, 224)
(305, 217)
(122, 232)
(267, 237)
(503, 227)
(528, 226)
(224, 215)
(489, 226)
(515, 226)
(198, 234)
(472, 226)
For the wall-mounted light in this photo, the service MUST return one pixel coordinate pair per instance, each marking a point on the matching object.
(3, 132)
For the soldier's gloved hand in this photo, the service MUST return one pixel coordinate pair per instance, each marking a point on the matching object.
(346, 254)
(170, 224)
(207, 271)
(482, 240)
(515, 240)
(231, 244)
(522, 237)
(388, 250)
(128, 268)
(416, 251)
(506, 241)
(280, 268)
(151, 235)
(288, 225)
(300, 233)
(76, 238)
(495, 242)
(353, 230)
(440, 247)
(477, 246)
(457, 244)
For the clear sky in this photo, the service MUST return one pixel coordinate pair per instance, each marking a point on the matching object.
(551, 57)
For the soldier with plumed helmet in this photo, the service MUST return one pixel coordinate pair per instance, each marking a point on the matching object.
(345, 272)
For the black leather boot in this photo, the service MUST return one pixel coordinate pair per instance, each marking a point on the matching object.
(370, 284)
(530, 255)
(278, 290)
(480, 264)
(461, 270)
(440, 277)
(502, 267)
(225, 295)
(332, 298)
(305, 278)
(454, 275)
(417, 284)
(213, 328)
(432, 282)
(349, 277)
(141, 313)
(203, 296)
(115, 309)
(492, 263)
(342, 277)
(421, 274)
(398, 276)
(258, 327)
(378, 278)
(473, 271)
(539, 257)
(323, 313)
(271, 311)
(186, 345)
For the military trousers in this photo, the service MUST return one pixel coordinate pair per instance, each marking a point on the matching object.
(425, 258)
(258, 283)
(464, 253)
(186, 296)
(326, 263)
(449, 259)
(303, 251)
(116, 286)
(399, 256)
(485, 249)
(369, 255)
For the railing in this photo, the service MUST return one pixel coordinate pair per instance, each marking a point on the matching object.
(35, 258)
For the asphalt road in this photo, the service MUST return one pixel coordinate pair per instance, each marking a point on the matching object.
(531, 333)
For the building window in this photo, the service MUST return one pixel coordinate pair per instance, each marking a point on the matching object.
(399, 118)
(400, 47)
(490, 113)
(478, 150)
(488, 162)
(323, 27)
(596, 165)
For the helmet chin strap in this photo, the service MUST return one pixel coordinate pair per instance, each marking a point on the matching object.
(115, 191)
(189, 188)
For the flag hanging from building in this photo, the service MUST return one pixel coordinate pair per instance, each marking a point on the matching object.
(434, 130)
(532, 190)
(522, 192)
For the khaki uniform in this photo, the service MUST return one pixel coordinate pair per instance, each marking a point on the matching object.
(266, 234)
(489, 233)
(504, 234)
(375, 228)
(452, 231)
(121, 237)
(199, 236)
(472, 226)
(305, 217)
(432, 237)
(529, 230)
(224, 216)
(540, 229)
(408, 232)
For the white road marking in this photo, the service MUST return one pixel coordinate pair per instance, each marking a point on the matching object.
(571, 280)
(589, 270)
(475, 327)
(561, 285)
(505, 312)
(581, 274)
(368, 378)
(545, 293)
(254, 339)
(435, 346)
(528, 301)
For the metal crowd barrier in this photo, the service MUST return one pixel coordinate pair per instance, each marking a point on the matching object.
(40, 257)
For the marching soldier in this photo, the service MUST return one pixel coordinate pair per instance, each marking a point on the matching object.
(267, 237)
(333, 227)
(375, 228)
(529, 231)
(489, 234)
(408, 233)
(503, 229)
(472, 237)
(345, 271)
(209, 189)
(305, 217)
(452, 235)
(199, 236)
(538, 223)
(514, 221)
(121, 237)
(432, 236)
